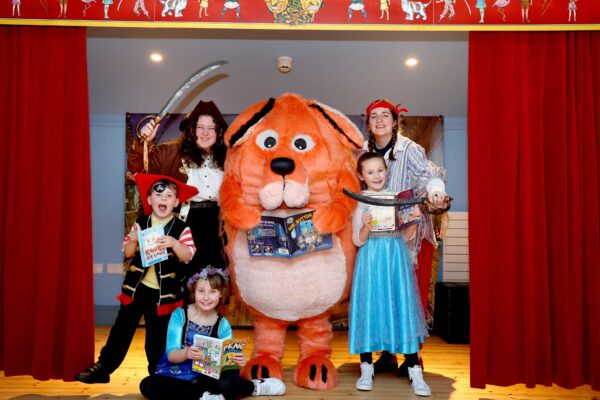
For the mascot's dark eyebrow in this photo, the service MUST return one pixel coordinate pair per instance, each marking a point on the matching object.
(332, 122)
(255, 118)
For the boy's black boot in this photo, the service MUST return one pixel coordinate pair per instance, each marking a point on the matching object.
(387, 362)
(94, 374)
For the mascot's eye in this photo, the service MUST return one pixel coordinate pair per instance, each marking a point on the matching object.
(267, 140)
(303, 143)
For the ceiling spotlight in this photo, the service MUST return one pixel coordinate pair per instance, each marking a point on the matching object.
(411, 62)
(156, 57)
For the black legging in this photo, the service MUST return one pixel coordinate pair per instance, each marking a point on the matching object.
(412, 359)
(231, 385)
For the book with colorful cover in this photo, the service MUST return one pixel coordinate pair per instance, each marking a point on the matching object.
(217, 354)
(389, 218)
(286, 233)
(407, 215)
(149, 251)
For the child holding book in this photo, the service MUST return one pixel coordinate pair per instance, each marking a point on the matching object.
(175, 377)
(385, 309)
(152, 292)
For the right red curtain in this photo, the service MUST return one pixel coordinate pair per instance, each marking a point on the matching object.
(534, 223)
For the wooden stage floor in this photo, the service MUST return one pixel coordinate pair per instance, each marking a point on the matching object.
(447, 372)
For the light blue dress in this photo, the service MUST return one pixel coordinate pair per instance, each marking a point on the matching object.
(385, 306)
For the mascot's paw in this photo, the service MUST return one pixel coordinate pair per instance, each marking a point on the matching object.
(263, 367)
(244, 218)
(329, 219)
(316, 372)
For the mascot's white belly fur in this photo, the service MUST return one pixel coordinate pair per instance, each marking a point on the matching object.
(306, 286)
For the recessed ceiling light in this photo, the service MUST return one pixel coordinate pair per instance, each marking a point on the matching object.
(411, 62)
(156, 57)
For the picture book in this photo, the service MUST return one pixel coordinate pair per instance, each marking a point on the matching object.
(217, 354)
(286, 233)
(407, 215)
(150, 252)
(389, 218)
(383, 218)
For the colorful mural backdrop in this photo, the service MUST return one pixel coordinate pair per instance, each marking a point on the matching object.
(369, 14)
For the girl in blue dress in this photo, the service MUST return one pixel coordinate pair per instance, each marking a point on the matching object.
(385, 308)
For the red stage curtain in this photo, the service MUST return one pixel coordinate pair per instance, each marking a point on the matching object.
(534, 165)
(46, 281)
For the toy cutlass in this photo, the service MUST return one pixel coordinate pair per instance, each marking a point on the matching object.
(174, 99)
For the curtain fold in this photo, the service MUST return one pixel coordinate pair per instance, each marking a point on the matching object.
(46, 281)
(534, 224)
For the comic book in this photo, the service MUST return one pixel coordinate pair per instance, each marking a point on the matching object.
(407, 215)
(383, 218)
(286, 233)
(217, 354)
(389, 218)
(150, 252)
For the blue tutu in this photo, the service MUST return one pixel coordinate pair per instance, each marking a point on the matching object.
(385, 306)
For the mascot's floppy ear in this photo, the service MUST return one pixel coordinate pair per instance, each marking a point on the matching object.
(349, 135)
(245, 122)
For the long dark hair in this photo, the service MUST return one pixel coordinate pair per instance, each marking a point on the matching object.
(190, 151)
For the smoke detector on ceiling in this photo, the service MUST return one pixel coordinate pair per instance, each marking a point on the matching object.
(284, 64)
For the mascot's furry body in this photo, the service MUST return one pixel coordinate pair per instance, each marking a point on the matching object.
(291, 152)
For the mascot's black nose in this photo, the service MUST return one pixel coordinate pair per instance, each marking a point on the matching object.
(282, 166)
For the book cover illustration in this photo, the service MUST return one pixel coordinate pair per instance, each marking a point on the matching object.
(217, 354)
(286, 233)
(407, 215)
(383, 218)
(150, 252)
(389, 218)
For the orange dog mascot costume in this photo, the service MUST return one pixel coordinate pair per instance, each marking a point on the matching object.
(291, 152)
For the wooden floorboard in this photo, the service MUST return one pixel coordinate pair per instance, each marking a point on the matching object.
(446, 371)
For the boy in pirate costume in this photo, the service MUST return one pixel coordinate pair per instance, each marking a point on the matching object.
(152, 292)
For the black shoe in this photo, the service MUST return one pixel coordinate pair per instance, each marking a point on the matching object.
(94, 374)
(387, 362)
(402, 370)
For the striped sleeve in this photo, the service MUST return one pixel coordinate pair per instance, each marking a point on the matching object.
(186, 239)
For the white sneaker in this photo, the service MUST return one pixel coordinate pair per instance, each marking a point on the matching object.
(365, 382)
(210, 396)
(415, 376)
(268, 387)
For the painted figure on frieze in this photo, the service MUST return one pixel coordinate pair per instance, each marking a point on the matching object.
(173, 7)
(86, 5)
(448, 8)
(107, 4)
(62, 4)
(501, 4)
(16, 7)
(384, 6)
(480, 5)
(573, 10)
(301, 155)
(231, 5)
(294, 12)
(203, 4)
(415, 9)
(277, 6)
(357, 5)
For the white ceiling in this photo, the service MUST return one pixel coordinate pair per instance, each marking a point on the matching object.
(345, 70)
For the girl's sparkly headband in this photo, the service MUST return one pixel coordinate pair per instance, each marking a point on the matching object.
(208, 270)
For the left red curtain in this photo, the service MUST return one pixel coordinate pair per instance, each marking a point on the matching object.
(46, 276)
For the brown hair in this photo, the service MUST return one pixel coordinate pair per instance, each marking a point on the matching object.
(190, 151)
(370, 155)
(216, 281)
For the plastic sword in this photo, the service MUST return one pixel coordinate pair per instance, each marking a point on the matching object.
(174, 99)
